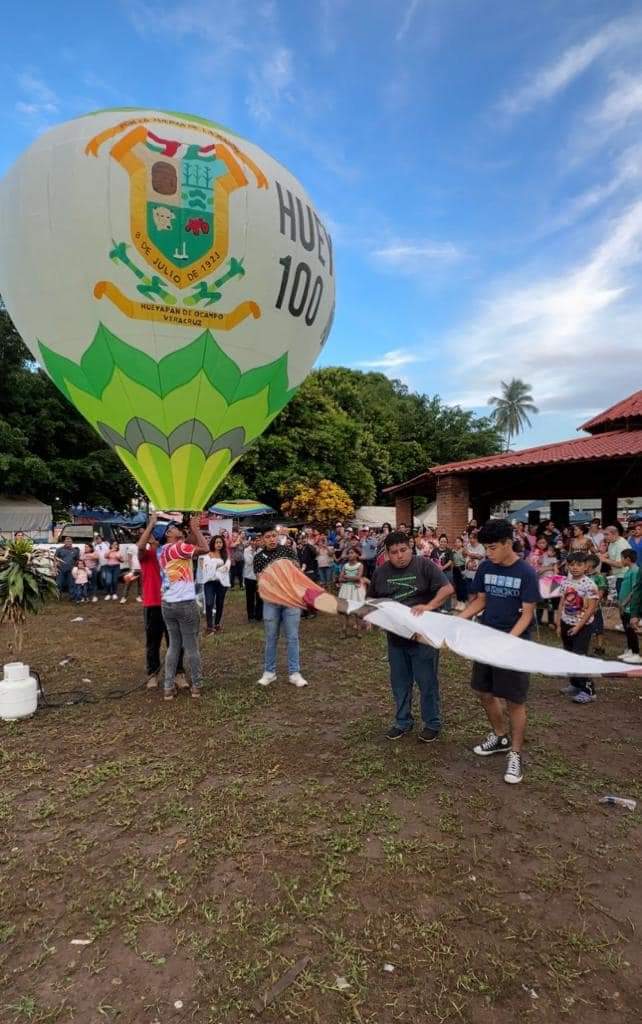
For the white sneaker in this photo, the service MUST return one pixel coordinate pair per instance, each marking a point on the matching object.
(625, 654)
(139, 600)
(107, 597)
(123, 600)
(513, 771)
(633, 659)
(267, 678)
(297, 680)
(93, 600)
(114, 597)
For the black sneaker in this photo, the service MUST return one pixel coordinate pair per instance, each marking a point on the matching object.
(395, 733)
(492, 745)
(428, 735)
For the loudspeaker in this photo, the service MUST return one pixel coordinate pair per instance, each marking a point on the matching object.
(559, 513)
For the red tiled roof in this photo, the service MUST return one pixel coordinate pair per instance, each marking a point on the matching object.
(626, 409)
(613, 444)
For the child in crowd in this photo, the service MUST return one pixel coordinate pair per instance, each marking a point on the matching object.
(352, 587)
(459, 564)
(574, 620)
(442, 556)
(92, 560)
(629, 582)
(80, 577)
(600, 581)
(325, 561)
(544, 561)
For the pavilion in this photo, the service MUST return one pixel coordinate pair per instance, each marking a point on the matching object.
(607, 464)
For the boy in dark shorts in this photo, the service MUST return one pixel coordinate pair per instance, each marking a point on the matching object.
(574, 620)
(504, 592)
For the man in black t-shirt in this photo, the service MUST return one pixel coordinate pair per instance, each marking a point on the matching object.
(419, 583)
(504, 592)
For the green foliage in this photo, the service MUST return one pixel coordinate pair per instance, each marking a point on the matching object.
(364, 432)
(26, 584)
(361, 430)
(46, 448)
(512, 407)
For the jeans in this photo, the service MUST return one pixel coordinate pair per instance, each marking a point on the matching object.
(369, 566)
(578, 644)
(253, 601)
(80, 592)
(92, 582)
(111, 575)
(326, 573)
(461, 589)
(155, 630)
(182, 621)
(65, 581)
(214, 596)
(273, 616)
(410, 663)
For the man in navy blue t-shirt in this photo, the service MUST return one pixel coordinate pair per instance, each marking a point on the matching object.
(505, 592)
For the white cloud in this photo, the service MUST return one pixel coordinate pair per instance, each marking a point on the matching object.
(626, 174)
(622, 103)
(552, 79)
(270, 84)
(40, 98)
(222, 25)
(572, 337)
(390, 360)
(408, 17)
(413, 257)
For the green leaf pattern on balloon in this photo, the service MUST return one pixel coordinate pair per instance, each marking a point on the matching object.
(172, 456)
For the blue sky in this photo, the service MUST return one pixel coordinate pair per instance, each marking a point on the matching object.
(479, 165)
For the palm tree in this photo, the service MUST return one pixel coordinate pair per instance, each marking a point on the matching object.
(512, 408)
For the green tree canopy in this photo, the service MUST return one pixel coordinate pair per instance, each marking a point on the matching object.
(361, 430)
(46, 448)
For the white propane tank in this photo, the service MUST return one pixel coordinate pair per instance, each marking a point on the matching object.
(18, 692)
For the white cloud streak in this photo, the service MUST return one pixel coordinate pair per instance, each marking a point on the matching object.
(390, 360)
(552, 79)
(40, 99)
(270, 84)
(572, 337)
(413, 256)
(408, 18)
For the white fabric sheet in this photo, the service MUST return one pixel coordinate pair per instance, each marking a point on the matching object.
(481, 643)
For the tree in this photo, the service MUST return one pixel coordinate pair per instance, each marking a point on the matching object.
(323, 503)
(47, 449)
(512, 407)
(361, 430)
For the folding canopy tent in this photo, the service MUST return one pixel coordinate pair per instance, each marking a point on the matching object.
(31, 516)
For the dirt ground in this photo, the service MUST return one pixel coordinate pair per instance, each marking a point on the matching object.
(201, 851)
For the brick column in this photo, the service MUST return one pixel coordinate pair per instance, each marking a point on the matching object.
(452, 504)
(404, 511)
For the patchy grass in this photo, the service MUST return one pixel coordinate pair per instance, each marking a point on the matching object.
(200, 851)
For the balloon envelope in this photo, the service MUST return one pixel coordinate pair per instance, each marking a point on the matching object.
(174, 281)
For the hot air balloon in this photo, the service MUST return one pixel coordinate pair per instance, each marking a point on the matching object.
(174, 281)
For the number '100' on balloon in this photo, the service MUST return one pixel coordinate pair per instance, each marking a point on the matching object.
(174, 281)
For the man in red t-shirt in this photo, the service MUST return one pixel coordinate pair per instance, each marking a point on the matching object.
(155, 628)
